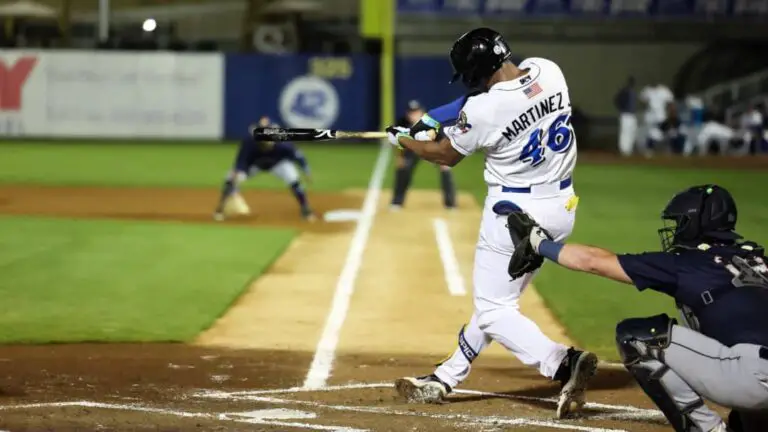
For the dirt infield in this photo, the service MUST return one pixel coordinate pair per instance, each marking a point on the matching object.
(268, 207)
(246, 372)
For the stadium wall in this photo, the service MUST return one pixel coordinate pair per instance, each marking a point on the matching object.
(212, 96)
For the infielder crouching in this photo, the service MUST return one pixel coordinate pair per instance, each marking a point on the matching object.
(278, 158)
(520, 120)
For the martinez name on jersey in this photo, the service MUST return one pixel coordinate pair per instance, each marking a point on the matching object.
(535, 113)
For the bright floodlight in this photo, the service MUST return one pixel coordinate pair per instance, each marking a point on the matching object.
(149, 25)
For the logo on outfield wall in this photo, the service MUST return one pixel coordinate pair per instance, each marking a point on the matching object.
(309, 102)
(14, 74)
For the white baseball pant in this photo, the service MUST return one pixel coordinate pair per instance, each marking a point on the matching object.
(497, 313)
(627, 133)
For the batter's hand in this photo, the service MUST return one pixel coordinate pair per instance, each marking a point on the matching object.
(394, 133)
(426, 129)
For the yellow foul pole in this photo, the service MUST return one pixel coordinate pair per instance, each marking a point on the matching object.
(377, 21)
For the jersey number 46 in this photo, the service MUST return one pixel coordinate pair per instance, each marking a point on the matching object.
(558, 138)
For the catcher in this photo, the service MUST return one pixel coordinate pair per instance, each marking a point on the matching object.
(280, 159)
(719, 351)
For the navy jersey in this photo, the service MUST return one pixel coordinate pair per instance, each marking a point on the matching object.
(705, 281)
(251, 154)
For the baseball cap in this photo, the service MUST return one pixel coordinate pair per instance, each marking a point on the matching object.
(414, 105)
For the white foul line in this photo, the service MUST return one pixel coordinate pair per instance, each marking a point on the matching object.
(448, 256)
(325, 352)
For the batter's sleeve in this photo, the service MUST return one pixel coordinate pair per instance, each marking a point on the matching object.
(470, 133)
(654, 270)
(448, 113)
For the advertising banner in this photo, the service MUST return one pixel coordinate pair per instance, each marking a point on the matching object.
(301, 91)
(70, 94)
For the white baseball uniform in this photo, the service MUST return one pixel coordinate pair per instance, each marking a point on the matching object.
(523, 128)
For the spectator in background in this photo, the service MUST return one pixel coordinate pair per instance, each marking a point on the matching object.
(752, 123)
(694, 121)
(656, 98)
(673, 131)
(626, 102)
(713, 130)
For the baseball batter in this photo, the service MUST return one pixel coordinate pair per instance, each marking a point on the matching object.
(521, 122)
(279, 159)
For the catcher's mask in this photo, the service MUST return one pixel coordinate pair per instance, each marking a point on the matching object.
(697, 215)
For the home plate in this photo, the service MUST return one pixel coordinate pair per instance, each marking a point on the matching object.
(342, 215)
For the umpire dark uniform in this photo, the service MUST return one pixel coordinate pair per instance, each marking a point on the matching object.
(719, 349)
(406, 163)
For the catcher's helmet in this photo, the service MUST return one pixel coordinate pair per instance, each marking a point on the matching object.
(477, 55)
(699, 214)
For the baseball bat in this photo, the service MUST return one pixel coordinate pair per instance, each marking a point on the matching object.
(299, 134)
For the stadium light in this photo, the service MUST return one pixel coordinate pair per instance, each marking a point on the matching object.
(149, 25)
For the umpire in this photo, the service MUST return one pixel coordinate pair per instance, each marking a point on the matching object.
(720, 286)
(407, 161)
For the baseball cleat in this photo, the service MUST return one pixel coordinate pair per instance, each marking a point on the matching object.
(575, 372)
(425, 389)
(218, 216)
(395, 207)
(308, 215)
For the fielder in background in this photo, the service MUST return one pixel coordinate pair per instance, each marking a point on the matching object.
(407, 160)
(278, 158)
(521, 122)
(720, 286)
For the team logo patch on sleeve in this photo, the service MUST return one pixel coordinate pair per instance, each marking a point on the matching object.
(461, 124)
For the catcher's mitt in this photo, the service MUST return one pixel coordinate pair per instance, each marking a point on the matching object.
(524, 259)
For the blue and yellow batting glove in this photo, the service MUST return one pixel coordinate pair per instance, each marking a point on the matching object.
(394, 133)
(426, 123)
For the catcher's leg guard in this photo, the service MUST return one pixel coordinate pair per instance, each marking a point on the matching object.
(641, 342)
(643, 338)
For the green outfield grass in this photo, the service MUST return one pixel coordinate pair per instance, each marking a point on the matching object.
(68, 280)
(334, 167)
(619, 209)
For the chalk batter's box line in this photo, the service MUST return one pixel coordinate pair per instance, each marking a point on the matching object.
(209, 416)
(620, 412)
(357, 386)
(459, 418)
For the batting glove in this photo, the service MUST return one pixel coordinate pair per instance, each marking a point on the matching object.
(394, 133)
(425, 123)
